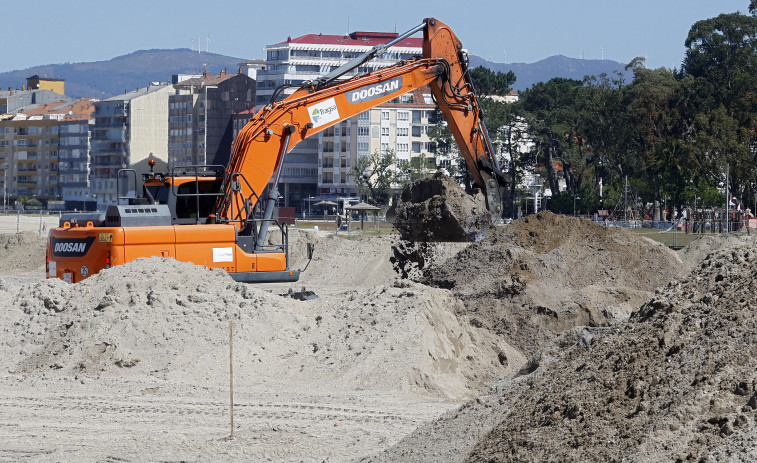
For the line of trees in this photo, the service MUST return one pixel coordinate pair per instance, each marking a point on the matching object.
(671, 133)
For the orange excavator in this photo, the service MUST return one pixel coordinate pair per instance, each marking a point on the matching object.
(207, 215)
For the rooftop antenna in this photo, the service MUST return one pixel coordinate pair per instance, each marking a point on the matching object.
(207, 44)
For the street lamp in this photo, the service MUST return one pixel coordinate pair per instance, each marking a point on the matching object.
(547, 197)
(5, 187)
(575, 197)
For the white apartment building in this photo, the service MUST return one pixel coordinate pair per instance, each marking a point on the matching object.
(321, 165)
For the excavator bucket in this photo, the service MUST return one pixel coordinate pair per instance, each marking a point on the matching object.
(437, 209)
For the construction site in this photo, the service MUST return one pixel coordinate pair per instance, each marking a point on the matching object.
(183, 322)
(552, 338)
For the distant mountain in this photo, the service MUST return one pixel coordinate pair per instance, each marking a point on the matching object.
(112, 77)
(528, 74)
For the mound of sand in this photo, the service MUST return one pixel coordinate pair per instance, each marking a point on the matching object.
(22, 253)
(437, 209)
(693, 254)
(168, 319)
(540, 276)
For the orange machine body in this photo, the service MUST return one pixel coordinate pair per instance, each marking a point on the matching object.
(76, 252)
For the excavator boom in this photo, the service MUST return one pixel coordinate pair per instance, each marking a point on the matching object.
(261, 146)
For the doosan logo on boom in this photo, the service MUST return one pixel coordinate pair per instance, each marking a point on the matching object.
(374, 91)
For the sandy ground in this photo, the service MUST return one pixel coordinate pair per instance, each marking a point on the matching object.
(12, 223)
(479, 351)
(140, 354)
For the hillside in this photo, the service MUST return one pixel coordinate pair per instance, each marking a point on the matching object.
(107, 78)
(112, 77)
(555, 66)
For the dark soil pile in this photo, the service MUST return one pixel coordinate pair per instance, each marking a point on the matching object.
(537, 277)
(693, 254)
(437, 209)
(678, 382)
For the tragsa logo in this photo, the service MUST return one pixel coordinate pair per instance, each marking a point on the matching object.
(315, 115)
(324, 112)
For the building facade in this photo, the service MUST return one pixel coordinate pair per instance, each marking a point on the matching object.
(128, 130)
(200, 119)
(321, 164)
(73, 158)
(30, 148)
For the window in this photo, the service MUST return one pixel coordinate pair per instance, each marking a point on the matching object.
(364, 116)
(402, 131)
(363, 131)
(402, 147)
(403, 116)
(384, 131)
(384, 147)
(384, 115)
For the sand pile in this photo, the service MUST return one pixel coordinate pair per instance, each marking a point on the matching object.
(542, 275)
(676, 382)
(437, 209)
(693, 254)
(170, 320)
(21, 253)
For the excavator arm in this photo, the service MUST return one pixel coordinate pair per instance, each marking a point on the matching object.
(261, 146)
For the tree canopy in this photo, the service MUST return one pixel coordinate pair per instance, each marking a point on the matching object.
(666, 137)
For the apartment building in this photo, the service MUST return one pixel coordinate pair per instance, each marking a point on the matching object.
(200, 117)
(321, 164)
(30, 145)
(401, 125)
(73, 157)
(128, 130)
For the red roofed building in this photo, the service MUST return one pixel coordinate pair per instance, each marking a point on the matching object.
(321, 165)
(30, 143)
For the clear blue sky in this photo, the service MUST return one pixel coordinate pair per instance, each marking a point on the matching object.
(54, 31)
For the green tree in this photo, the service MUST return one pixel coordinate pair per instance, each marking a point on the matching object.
(721, 58)
(374, 175)
(555, 114)
(487, 82)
